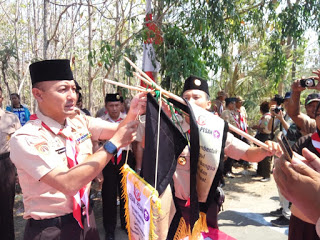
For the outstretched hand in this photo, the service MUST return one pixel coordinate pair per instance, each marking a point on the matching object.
(300, 182)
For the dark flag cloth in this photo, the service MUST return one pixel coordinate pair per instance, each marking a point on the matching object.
(171, 144)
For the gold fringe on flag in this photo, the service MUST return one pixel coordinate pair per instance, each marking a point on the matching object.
(200, 226)
(182, 231)
(155, 203)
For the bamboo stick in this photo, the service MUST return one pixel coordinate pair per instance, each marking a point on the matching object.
(125, 85)
(179, 99)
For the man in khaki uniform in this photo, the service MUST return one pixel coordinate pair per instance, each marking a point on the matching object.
(111, 173)
(196, 91)
(54, 159)
(9, 124)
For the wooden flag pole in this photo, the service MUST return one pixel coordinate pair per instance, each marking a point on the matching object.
(127, 86)
(149, 81)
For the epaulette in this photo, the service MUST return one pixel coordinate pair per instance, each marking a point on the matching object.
(8, 112)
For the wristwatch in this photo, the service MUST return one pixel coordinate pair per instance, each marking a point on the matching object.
(110, 147)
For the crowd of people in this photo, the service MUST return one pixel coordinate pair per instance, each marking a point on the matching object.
(60, 149)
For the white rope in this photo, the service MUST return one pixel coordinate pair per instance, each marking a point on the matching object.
(158, 140)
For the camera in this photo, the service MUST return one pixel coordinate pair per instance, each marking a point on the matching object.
(277, 109)
(309, 82)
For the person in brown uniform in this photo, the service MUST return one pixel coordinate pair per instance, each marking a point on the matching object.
(54, 158)
(9, 124)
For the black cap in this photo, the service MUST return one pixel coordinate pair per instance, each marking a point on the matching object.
(287, 95)
(277, 98)
(112, 97)
(194, 82)
(229, 100)
(312, 98)
(50, 70)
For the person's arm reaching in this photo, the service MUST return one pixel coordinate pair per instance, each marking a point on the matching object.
(300, 183)
(256, 154)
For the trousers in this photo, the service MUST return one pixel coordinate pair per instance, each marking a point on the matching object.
(7, 193)
(62, 228)
(110, 188)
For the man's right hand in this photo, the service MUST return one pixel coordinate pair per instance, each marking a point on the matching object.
(300, 183)
(125, 134)
(296, 87)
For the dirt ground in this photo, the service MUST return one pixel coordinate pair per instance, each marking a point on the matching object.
(242, 192)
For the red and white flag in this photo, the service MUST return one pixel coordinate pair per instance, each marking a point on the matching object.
(149, 63)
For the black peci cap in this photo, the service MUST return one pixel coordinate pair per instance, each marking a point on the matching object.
(230, 100)
(194, 82)
(112, 97)
(50, 70)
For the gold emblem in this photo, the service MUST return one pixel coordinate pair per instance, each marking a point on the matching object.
(42, 148)
(182, 160)
(118, 97)
(197, 82)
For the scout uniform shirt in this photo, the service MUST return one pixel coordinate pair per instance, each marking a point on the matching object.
(263, 123)
(35, 151)
(231, 117)
(9, 124)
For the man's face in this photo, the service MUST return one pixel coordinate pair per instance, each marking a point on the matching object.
(15, 101)
(1, 99)
(286, 103)
(317, 118)
(58, 98)
(238, 104)
(232, 106)
(197, 97)
(311, 108)
(113, 109)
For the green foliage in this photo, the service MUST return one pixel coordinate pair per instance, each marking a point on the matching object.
(179, 59)
(132, 56)
(7, 51)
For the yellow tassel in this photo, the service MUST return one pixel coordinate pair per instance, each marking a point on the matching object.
(199, 227)
(124, 195)
(182, 230)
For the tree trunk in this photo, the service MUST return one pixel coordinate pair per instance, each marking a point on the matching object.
(90, 49)
(45, 37)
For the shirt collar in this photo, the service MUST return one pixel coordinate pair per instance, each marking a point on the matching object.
(52, 124)
(120, 118)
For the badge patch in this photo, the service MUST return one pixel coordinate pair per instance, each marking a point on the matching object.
(83, 138)
(197, 82)
(42, 148)
(61, 150)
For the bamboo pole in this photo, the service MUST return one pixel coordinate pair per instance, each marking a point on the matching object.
(179, 99)
(126, 86)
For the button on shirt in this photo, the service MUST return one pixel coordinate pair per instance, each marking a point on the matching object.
(36, 151)
(9, 124)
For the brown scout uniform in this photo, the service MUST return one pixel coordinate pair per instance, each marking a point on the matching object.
(9, 124)
(36, 151)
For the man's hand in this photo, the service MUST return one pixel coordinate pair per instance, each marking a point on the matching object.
(278, 115)
(125, 134)
(138, 104)
(300, 183)
(296, 87)
(273, 149)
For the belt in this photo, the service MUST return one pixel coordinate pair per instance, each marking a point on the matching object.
(57, 221)
(4, 155)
